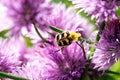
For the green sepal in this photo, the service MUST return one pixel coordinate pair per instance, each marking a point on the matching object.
(28, 41)
(102, 26)
(97, 37)
(118, 12)
(92, 50)
(3, 33)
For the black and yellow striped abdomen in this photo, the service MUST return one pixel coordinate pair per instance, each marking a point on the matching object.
(64, 42)
(66, 38)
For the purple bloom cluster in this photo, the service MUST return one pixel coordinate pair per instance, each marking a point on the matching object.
(9, 55)
(102, 10)
(108, 48)
(60, 18)
(25, 13)
(68, 64)
(45, 59)
(30, 71)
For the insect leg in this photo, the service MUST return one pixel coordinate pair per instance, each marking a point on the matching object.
(60, 49)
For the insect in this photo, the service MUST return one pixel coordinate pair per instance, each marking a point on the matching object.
(66, 38)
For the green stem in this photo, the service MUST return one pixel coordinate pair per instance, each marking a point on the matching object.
(85, 40)
(7, 75)
(84, 74)
(39, 34)
(56, 29)
(97, 37)
(106, 71)
(43, 39)
(112, 72)
(82, 47)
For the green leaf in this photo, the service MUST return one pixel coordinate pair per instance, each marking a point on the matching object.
(28, 41)
(102, 26)
(81, 39)
(116, 68)
(118, 12)
(8, 75)
(3, 33)
(89, 41)
(56, 1)
(68, 3)
(107, 74)
(56, 29)
(84, 77)
(92, 50)
(97, 37)
(106, 77)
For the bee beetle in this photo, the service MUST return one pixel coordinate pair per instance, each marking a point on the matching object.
(66, 38)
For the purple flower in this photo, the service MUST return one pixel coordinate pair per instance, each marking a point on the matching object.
(67, 19)
(30, 71)
(45, 62)
(6, 63)
(9, 55)
(99, 9)
(53, 65)
(108, 48)
(25, 13)
(67, 64)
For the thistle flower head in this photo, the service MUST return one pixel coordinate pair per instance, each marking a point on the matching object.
(68, 64)
(66, 19)
(29, 71)
(49, 63)
(108, 48)
(25, 13)
(9, 56)
(99, 9)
